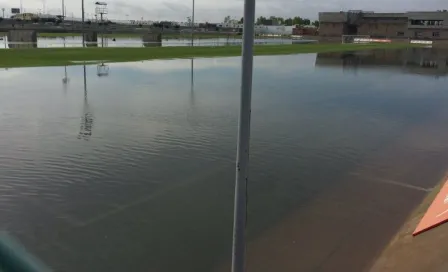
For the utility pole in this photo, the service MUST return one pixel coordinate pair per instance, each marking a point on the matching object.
(242, 156)
(82, 24)
(63, 10)
(192, 26)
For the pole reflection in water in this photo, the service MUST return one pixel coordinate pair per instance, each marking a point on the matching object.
(87, 119)
(192, 110)
(192, 83)
(65, 80)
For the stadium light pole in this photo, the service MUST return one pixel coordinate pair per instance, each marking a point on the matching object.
(242, 157)
(192, 24)
(82, 24)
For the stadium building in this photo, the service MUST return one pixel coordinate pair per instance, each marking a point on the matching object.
(409, 25)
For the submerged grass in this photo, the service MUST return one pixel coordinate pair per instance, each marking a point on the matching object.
(66, 56)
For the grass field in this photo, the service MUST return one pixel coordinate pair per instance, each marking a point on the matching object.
(66, 56)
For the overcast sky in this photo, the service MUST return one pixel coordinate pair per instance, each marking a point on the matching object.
(216, 10)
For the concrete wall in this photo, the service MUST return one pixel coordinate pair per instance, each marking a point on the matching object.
(440, 44)
(331, 29)
(429, 34)
(333, 17)
(152, 39)
(385, 15)
(389, 30)
(279, 30)
(430, 15)
(29, 37)
(91, 39)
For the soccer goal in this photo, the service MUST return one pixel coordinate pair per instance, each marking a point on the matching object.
(356, 39)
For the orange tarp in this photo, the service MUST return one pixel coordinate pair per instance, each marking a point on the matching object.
(437, 213)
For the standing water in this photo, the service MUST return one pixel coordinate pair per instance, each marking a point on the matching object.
(131, 168)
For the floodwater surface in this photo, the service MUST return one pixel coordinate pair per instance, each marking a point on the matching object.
(46, 42)
(131, 166)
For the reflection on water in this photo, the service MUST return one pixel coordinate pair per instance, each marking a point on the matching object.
(85, 130)
(102, 70)
(424, 61)
(65, 79)
(338, 160)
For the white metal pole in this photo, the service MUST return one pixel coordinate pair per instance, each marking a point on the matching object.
(242, 158)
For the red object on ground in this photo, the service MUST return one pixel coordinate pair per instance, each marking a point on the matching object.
(436, 214)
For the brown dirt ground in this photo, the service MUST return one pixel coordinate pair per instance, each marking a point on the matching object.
(425, 252)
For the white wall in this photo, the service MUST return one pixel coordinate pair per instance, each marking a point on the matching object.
(279, 30)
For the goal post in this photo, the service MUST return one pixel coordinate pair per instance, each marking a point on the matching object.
(356, 39)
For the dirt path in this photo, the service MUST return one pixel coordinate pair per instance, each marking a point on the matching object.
(426, 252)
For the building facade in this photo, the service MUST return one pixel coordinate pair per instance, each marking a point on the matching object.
(414, 25)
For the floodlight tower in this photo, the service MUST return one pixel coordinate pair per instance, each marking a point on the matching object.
(101, 11)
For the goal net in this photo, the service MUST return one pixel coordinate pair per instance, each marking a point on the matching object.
(356, 39)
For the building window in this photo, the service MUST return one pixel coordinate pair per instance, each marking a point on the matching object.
(426, 22)
(400, 34)
(436, 34)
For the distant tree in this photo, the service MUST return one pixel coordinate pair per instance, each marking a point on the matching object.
(288, 22)
(241, 21)
(297, 20)
(261, 20)
(316, 23)
(306, 22)
(278, 20)
(227, 19)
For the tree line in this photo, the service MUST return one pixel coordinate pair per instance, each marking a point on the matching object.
(279, 20)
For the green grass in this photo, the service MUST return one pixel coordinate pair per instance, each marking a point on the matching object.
(65, 56)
